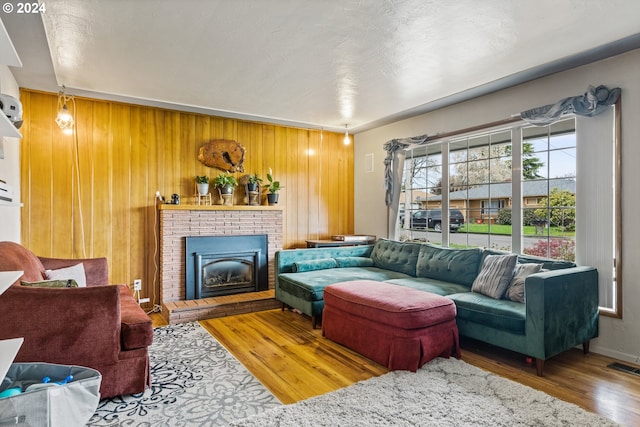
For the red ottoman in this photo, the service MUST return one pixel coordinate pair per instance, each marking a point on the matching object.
(396, 326)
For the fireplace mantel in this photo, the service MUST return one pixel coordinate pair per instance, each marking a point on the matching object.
(183, 207)
(177, 222)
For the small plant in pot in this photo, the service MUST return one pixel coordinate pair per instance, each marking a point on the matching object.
(253, 182)
(272, 188)
(202, 184)
(225, 182)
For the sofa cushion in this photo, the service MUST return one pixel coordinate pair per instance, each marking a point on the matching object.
(452, 265)
(396, 256)
(15, 257)
(310, 285)
(498, 314)
(438, 287)
(515, 290)
(136, 328)
(314, 264)
(495, 275)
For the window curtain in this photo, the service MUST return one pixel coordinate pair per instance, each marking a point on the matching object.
(393, 167)
(591, 103)
(594, 101)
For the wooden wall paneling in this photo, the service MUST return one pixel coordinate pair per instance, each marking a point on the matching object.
(229, 129)
(333, 182)
(256, 153)
(243, 138)
(152, 254)
(281, 173)
(304, 191)
(202, 134)
(128, 152)
(63, 206)
(268, 159)
(84, 182)
(102, 190)
(25, 162)
(290, 167)
(40, 179)
(347, 180)
(174, 164)
(139, 197)
(324, 159)
(216, 128)
(187, 159)
(313, 184)
(121, 181)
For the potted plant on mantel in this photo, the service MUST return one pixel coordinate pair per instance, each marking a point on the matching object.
(273, 188)
(252, 183)
(202, 185)
(226, 184)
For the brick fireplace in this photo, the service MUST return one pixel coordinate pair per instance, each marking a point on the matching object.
(177, 222)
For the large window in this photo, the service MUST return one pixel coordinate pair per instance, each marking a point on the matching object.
(549, 176)
(519, 189)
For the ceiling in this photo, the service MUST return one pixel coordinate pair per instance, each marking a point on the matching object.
(310, 63)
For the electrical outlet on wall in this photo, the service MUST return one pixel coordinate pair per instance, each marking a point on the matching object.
(137, 285)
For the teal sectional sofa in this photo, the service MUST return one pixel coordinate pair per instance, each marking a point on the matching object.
(560, 309)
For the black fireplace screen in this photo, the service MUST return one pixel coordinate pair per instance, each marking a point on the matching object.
(225, 265)
(227, 272)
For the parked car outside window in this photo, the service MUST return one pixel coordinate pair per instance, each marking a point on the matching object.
(433, 219)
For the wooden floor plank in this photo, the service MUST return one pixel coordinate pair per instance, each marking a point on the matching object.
(295, 362)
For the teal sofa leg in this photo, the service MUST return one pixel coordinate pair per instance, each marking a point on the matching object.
(585, 347)
(539, 367)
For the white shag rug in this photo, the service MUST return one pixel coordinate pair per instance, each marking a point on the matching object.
(444, 392)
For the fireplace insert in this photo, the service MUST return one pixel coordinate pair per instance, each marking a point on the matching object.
(225, 265)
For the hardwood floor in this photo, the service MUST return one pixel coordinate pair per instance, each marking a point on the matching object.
(295, 362)
(290, 358)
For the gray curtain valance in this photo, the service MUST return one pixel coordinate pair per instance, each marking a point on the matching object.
(593, 102)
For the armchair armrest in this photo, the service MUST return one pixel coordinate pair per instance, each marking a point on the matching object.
(561, 310)
(96, 269)
(74, 326)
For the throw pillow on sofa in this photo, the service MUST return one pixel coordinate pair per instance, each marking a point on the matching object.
(515, 291)
(70, 283)
(313, 264)
(75, 272)
(354, 261)
(495, 275)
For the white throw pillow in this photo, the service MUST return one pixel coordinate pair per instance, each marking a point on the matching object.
(75, 272)
(515, 291)
(495, 275)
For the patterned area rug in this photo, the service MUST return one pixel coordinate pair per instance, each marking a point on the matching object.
(196, 382)
(444, 392)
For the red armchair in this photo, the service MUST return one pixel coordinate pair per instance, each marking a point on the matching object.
(100, 326)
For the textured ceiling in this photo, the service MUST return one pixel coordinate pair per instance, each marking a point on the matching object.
(308, 62)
